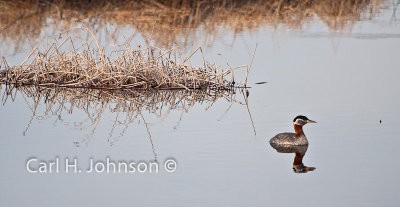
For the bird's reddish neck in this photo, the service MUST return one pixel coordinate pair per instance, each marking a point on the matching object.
(298, 129)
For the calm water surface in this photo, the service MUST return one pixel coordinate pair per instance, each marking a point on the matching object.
(346, 80)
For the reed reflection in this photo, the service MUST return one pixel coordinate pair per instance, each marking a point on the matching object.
(175, 22)
(299, 151)
(126, 106)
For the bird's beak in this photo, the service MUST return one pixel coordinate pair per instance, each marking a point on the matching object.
(310, 121)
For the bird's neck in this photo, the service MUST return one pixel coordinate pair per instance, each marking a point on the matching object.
(298, 129)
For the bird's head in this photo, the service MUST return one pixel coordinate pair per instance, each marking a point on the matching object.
(302, 120)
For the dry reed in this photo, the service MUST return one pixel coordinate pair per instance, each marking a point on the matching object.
(129, 68)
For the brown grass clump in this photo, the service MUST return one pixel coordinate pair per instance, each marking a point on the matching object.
(129, 68)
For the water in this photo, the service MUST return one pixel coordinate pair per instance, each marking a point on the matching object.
(346, 80)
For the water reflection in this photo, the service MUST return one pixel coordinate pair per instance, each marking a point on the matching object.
(126, 106)
(175, 22)
(300, 151)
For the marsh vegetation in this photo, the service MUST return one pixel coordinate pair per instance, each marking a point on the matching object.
(135, 67)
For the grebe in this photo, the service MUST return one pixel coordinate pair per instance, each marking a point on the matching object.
(297, 138)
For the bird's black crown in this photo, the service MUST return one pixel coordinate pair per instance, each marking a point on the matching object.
(300, 117)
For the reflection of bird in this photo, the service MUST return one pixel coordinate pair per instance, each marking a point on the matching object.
(297, 138)
(300, 151)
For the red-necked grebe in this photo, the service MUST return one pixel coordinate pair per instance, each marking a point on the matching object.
(297, 138)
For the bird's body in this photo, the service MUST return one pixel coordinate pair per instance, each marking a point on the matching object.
(297, 138)
(288, 138)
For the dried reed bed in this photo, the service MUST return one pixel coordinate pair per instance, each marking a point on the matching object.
(126, 106)
(130, 68)
(175, 21)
